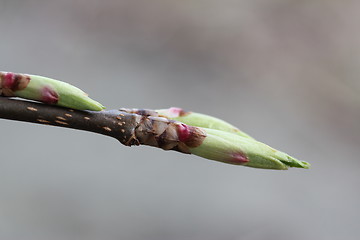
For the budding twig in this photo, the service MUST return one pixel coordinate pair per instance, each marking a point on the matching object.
(168, 129)
(147, 129)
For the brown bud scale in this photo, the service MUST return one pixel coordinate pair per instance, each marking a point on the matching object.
(159, 132)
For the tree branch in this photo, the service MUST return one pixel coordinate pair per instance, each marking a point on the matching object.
(26, 111)
(128, 128)
(148, 128)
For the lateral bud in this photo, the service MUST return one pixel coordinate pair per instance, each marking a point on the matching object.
(200, 120)
(46, 90)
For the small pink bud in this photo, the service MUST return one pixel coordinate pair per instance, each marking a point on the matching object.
(175, 112)
(183, 132)
(238, 158)
(9, 80)
(49, 96)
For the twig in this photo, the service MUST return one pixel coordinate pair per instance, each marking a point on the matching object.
(128, 128)
(138, 127)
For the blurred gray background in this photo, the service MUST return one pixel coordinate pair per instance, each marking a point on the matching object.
(287, 72)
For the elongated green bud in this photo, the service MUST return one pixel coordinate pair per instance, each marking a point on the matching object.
(213, 144)
(200, 120)
(220, 140)
(46, 90)
(230, 148)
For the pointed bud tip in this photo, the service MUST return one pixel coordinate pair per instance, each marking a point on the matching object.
(233, 149)
(97, 106)
(297, 164)
(291, 161)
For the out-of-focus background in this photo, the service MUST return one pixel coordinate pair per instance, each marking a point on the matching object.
(287, 72)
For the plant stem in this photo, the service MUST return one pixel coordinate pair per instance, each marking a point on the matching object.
(129, 129)
(145, 127)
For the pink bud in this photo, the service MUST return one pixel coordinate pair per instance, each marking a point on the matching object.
(183, 132)
(238, 158)
(48, 95)
(9, 80)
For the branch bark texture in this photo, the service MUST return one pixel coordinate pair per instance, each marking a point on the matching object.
(128, 128)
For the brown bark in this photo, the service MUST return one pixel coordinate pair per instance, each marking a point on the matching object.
(128, 128)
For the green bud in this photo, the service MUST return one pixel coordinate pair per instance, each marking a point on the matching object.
(200, 120)
(46, 90)
(68, 95)
(234, 149)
